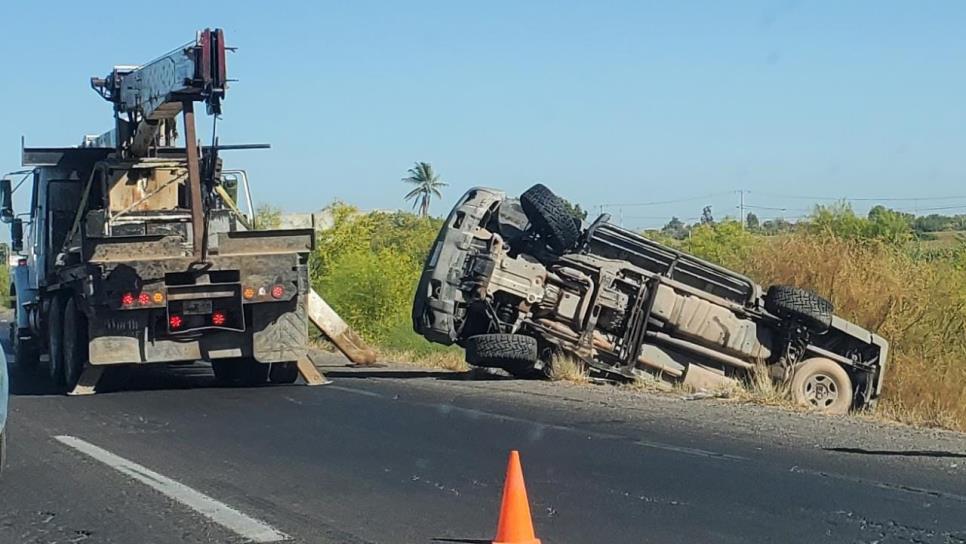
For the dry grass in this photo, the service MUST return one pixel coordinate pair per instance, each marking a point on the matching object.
(760, 388)
(918, 306)
(442, 359)
(567, 368)
(652, 384)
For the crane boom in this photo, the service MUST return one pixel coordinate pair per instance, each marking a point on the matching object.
(148, 98)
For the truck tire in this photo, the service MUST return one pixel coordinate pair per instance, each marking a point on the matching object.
(226, 370)
(243, 371)
(55, 340)
(801, 305)
(515, 353)
(281, 373)
(26, 353)
(75, 344)
(822, 385)
(549, 218)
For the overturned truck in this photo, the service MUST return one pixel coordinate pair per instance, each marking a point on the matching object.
(517, 282)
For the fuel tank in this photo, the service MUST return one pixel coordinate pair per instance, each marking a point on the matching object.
(707, 323)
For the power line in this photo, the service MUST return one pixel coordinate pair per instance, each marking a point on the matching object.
(757, 207)
(960, 207)
(661, 202)
(661, 217)
(864, 198)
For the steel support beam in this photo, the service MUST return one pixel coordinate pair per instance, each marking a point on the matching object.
(194, 180)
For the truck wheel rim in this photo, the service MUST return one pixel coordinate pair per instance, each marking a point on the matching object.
(821, 390)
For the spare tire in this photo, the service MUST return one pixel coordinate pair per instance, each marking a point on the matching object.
(801, 305)
(511, 352)
(550, 218)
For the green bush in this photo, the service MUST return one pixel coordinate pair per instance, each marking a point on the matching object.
(5, 286)
(367, 267)
(725, 243)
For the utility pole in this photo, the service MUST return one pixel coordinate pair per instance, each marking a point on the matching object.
(741, 208)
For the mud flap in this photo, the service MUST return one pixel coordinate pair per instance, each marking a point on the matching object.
(279, 331)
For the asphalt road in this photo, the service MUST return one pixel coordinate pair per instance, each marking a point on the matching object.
(396, 456)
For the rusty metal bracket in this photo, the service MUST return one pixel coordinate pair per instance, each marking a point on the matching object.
(194, 182)
(637, 320)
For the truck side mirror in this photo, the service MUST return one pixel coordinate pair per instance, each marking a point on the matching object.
(16, 235)
(6, 200)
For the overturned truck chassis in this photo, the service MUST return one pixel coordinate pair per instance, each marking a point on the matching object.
(621, 304)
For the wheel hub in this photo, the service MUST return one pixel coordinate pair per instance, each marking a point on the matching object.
(821, 390)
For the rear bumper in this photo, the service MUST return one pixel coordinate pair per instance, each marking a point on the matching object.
(274, 332)
(270, 329)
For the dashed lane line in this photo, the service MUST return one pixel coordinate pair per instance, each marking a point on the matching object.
(245, 526)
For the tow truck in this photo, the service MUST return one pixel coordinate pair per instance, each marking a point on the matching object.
(137, 250)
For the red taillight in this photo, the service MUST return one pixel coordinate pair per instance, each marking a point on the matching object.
(278, 291)
(21, 262)
(144, 299)
(175, 322)
(218, 318)
(127, 299)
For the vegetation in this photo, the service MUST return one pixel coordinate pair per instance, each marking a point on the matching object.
(876, 274)
(268, 217)
(5, 279)
(881, 223)
(367, 266)
(427, 185)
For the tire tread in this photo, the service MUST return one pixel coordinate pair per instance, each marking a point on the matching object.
(802, 305)
(501, 350)
(550, 218)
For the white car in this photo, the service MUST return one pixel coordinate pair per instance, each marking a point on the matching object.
(4, 394)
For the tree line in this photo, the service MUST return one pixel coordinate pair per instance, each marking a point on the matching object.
(880, 222)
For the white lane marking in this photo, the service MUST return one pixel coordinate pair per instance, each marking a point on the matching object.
(690, 451)
(881, 485)
(249, 528)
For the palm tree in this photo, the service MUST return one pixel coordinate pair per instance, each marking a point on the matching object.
(427, 184)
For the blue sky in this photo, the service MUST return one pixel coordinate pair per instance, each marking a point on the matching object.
(607, 102)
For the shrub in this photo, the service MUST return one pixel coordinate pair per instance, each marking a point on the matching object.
(725, 243)
(367, 267)
(371, 290)
(918, 306)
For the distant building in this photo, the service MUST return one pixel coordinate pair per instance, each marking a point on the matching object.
(322, 219)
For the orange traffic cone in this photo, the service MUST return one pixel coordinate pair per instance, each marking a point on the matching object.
(516, 526)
